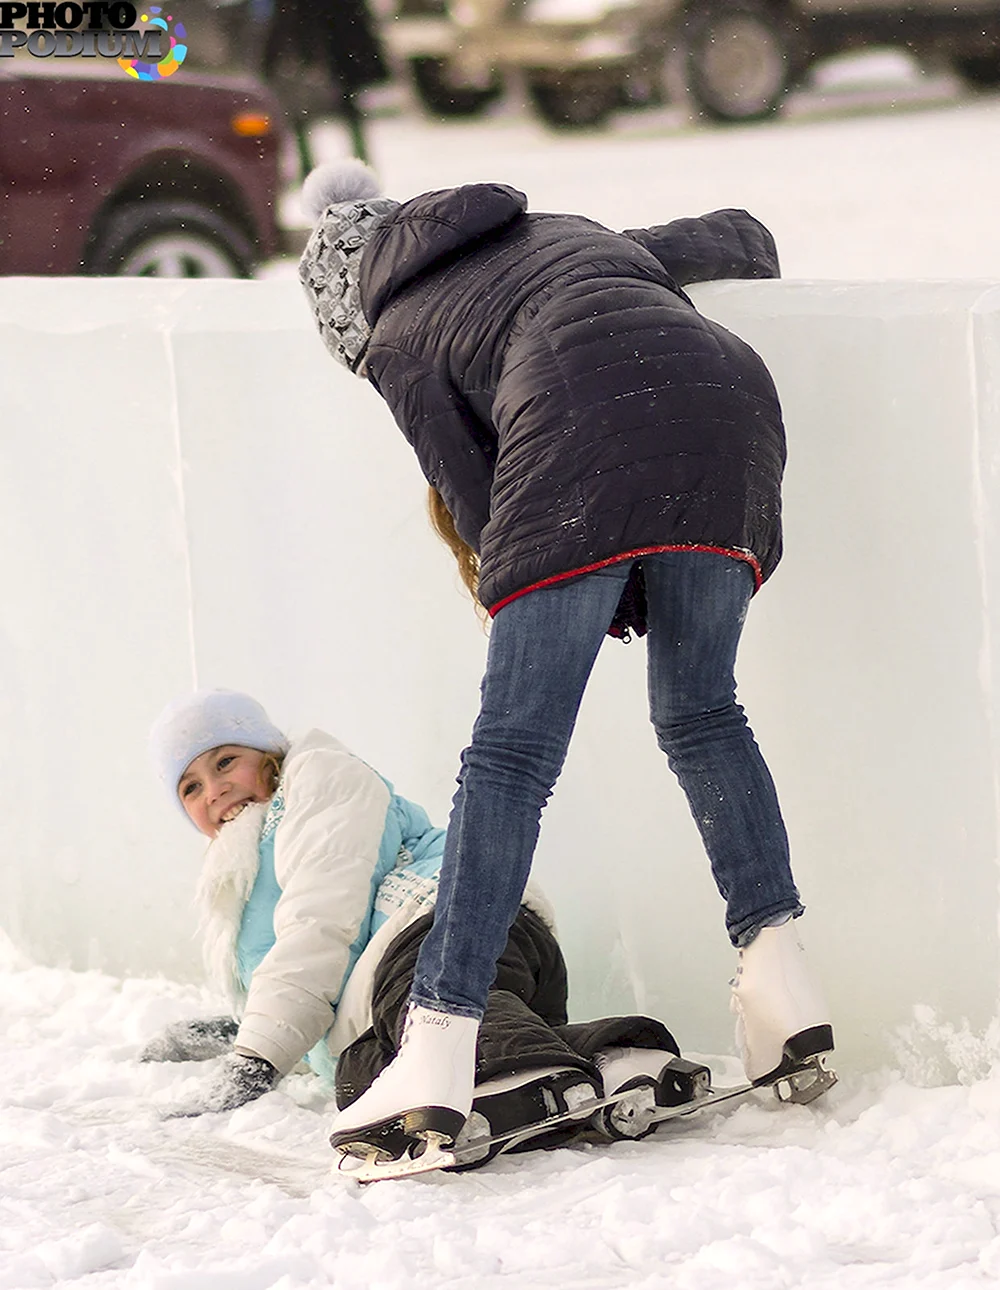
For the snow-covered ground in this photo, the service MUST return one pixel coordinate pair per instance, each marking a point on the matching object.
(884, 1184)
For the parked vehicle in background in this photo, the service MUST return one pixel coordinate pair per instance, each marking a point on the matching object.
(737, 58)
(104, 174)
(576, 56)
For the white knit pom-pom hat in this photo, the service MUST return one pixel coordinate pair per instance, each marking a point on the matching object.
(335, 182)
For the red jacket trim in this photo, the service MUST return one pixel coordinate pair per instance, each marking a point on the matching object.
(746, 556)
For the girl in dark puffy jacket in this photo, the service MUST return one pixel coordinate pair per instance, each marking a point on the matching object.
(613, 462)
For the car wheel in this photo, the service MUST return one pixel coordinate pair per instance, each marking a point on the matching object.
(575, 100)
(739, 59)
(170, 240)
(981, 71)
(444, 94)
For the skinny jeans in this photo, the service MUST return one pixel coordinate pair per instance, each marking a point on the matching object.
(541, 652)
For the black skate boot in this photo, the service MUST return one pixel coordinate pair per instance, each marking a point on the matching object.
(511, 1102)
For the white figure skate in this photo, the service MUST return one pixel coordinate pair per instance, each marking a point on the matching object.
(424, 1095)
(782, 1020)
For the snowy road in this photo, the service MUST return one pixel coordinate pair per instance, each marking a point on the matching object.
(849, 190)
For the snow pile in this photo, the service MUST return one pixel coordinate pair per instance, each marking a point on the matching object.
(883, 1184)
(931, 1051)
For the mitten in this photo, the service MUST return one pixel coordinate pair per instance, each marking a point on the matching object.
(192, 1041)
(238, 1080)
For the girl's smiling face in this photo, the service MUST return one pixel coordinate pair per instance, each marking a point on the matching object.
(217, 785)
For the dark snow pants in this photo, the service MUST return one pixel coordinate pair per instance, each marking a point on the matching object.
(524, 1026)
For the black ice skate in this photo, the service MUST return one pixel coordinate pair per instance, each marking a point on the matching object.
(510, 1103)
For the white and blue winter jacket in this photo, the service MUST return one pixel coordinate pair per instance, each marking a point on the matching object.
(302, 895)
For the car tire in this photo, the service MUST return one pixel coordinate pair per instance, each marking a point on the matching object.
(170, 240)
(575, 100)
(444, 95)
(739, 59)
(981, 71)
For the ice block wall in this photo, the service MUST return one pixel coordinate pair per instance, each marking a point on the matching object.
(193, 493)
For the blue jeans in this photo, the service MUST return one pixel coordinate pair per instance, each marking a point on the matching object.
(541, 652)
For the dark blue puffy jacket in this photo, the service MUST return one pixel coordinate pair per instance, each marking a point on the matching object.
(561, 391)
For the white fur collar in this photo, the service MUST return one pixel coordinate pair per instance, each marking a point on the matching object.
(227, 878)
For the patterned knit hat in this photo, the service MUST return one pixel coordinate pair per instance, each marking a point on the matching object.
(344, 198)
(208, 719)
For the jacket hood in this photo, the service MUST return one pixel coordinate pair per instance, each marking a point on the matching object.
(429, 229)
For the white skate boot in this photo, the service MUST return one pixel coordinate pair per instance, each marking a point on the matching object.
(782, 1021)
(424, 1094)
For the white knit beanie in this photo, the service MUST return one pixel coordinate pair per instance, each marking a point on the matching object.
(194, 723)
(342, 198)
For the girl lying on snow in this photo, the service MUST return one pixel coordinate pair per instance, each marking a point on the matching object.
(317, 891)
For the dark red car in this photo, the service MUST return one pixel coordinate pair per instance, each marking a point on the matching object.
(104, 174)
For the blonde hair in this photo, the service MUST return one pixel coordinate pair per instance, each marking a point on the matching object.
(273, 762)
(467, 560)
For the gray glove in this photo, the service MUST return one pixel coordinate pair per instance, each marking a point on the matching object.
(238, 1080)
(192, 1041)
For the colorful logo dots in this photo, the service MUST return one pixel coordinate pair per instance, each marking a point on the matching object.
(171, 60)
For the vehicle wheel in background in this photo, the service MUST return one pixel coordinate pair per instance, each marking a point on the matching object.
(575, 99)
(982, 71)
(739, 59)
(445, 94)
(170, 240)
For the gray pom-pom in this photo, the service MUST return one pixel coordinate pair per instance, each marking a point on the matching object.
(337, 181)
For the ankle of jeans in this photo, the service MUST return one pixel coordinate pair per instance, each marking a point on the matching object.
(744, 934)
(449, 1009)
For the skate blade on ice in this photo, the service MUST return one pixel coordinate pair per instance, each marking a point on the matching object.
(366, 1163)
